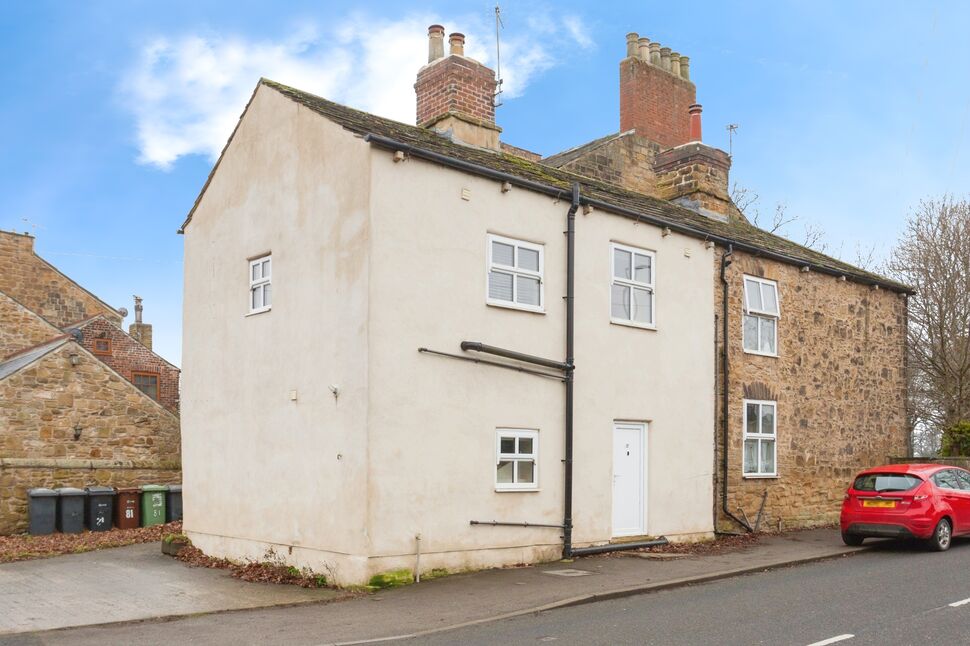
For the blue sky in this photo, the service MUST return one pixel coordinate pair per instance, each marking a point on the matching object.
(111, 112)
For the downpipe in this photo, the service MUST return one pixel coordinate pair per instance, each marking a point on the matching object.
(567, 520)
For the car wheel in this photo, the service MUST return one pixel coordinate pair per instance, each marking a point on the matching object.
(942, 536)
(852, 539)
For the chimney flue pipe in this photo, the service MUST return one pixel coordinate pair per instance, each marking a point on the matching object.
(685, 68)
(457, 42)
(643, 46)
(655, 54)
(436, 43)
(675, 64)
(695, 122)
(665, 59)
(631, 44)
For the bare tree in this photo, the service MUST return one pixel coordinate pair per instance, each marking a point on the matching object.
(933, 256)
(747, 202)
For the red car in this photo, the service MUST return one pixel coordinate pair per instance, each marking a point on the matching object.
(930, 502)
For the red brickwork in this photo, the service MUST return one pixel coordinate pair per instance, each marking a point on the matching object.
(654, 102)
(128, 356)
(38, 286)
(455, 84)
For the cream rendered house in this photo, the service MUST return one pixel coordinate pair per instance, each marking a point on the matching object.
(377, 361)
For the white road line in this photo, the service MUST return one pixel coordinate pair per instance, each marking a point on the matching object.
(957, 604)
(832, 640)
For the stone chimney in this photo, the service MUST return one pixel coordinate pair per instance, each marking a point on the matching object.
(141, 332)
(655, 92)
(695, 175)
(456, 94)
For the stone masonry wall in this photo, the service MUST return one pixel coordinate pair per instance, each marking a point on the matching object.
(128, 356)
(37, 285)
(126, 438)
(625, 161)
(20, 328)
(838, 382)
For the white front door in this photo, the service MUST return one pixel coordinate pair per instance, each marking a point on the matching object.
(628, 478)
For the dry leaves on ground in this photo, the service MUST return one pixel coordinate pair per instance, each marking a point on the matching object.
(22, 547)
(271, 571)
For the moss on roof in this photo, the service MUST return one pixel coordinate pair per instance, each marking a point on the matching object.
(736, 229)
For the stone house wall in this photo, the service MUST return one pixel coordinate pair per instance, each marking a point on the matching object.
(625, 160)
(20, 328)
(40, 287)
(126, 438)
(127, 356)
(838, 382)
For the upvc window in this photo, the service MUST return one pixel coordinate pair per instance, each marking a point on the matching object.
(761, 313)
(516, 459)
(514, 274)
(260, 284)
(760, 438)
(631, 292)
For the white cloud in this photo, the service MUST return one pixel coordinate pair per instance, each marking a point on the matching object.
(186, 92)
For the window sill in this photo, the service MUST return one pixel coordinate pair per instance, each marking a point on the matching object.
(514, 306)
(773, 355)
(755, 476)
(516, 489)
(642, 326)
(262, 311)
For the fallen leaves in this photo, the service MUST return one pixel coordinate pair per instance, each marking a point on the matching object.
(22, 547)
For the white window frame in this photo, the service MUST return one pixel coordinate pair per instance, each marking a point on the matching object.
(760, 437)
(614, 280)
(515, 272)
(516, 458)
(760, 314)
(259, 283)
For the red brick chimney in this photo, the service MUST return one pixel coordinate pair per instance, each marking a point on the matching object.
(655, 92)
(455, 94)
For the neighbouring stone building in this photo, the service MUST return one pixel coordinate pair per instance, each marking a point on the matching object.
(81, 401)
(430, 365)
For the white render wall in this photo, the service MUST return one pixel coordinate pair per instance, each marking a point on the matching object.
(371, 260)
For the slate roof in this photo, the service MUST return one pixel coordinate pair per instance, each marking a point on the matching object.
(30, 355)
(735, 230)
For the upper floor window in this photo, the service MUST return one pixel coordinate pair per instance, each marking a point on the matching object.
(631, 294)
(102, 346)
(514, 274)
(761, 314)
(260, 284)
(760, 438)
(147, 382)
(516, 459)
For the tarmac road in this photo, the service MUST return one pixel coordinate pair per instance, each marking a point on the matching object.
(896, 594)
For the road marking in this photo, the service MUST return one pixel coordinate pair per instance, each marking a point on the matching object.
(956, 604)
(832, 640)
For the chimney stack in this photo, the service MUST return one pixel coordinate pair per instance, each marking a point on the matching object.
(141, 332)
(456, 94)
(656, 93)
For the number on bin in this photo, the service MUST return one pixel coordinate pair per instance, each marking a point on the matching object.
(129, 513)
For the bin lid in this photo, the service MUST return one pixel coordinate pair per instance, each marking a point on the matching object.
(99, 491)
(70, 491)
(175, 488)
(154, 488)
(128, 490)
(41, 492)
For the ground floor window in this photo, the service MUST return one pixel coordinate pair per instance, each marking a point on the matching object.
(760, 438)
(516, 459)
(147, 383)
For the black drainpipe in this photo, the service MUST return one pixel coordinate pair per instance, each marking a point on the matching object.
(567, 520)
(725, 261)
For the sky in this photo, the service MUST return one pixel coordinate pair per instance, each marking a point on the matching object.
(112, 113)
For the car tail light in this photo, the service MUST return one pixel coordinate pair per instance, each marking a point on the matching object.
(920, 497)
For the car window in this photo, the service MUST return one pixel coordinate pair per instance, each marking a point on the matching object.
(947, 479)
(886, 482)
(963, 478)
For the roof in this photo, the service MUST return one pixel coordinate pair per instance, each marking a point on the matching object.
(80, 325)
(607, 196)
(26, 357)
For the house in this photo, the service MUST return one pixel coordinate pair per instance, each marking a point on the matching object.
(81, 401)
(411, 344)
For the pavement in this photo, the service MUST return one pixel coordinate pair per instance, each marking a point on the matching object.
(117, 587)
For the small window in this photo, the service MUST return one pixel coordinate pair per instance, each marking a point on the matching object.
(514, 274)
(147, 383)
(631, 293)
(260, 284)
(102, 346)
(516, 464)
(761, 313)
(760, 438)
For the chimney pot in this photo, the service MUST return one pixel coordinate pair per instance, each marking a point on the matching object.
(436, 43)
(675, 64)
(665, 59)
(695, 122)
(631, 44)
(457, 42)
(643, 47)
(655, 54)
(685, 68)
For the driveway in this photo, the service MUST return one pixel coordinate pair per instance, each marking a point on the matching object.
(125, 584)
